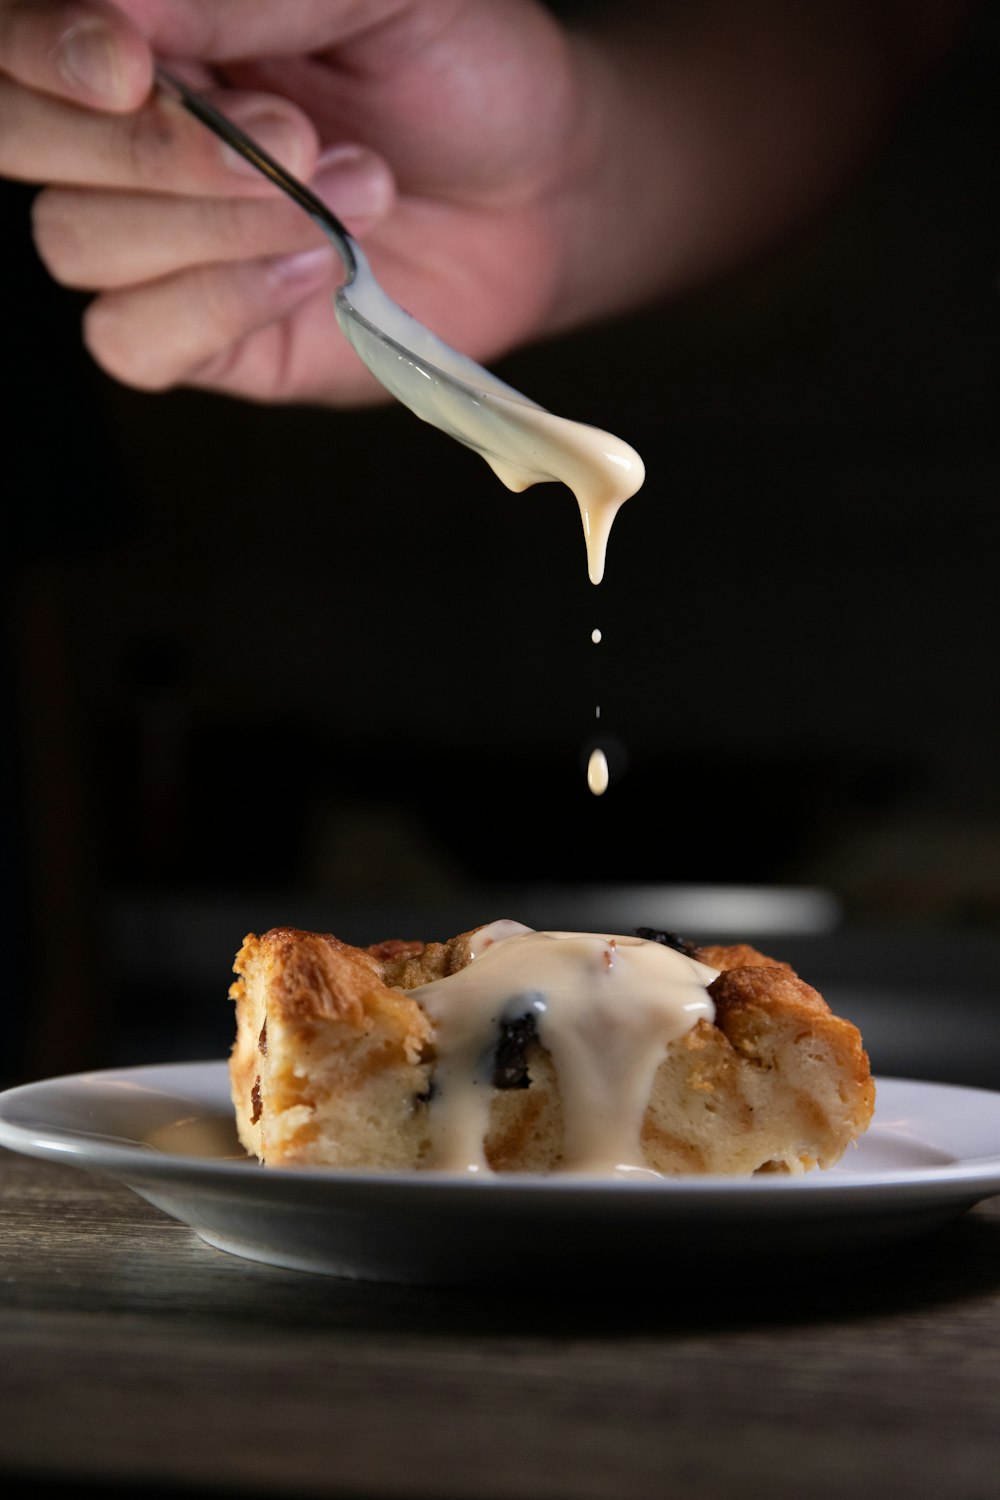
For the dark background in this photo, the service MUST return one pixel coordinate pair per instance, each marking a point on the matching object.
(252, 680)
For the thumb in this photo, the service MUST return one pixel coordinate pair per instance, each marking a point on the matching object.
(85, 50)
(231, 30)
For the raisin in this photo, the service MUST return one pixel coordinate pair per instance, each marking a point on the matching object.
(510, 1061)
(668, 939)
(256, 1101)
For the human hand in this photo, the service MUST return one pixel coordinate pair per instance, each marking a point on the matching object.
(451, 138)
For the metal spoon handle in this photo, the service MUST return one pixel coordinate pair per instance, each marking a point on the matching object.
(235, 137)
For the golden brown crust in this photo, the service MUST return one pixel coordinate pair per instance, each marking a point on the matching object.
(406, 965)
(751, 1003)
(315, 1020)
(315, 974)
(737, 956)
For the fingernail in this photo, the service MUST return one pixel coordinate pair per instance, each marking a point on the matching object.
(88, 58)
(354, 182)
(308, 266)
(278, 136)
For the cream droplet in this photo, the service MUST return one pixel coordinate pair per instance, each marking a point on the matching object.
(595, 636)
(597, 772)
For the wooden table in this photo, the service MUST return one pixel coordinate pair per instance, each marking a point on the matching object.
(130, 1351)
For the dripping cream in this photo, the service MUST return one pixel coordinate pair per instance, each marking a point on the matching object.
(605, 1008)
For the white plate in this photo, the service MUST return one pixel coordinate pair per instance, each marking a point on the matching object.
(932, 1151)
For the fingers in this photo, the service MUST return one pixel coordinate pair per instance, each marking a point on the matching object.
(89, 52)
(266, 331)
(303, 358)
(157, 336)
(192, 280)
(230, 30)
(100, 54)
(159, 147)
(97, 241)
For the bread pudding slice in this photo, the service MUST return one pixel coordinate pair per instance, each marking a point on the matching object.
(507, 1050)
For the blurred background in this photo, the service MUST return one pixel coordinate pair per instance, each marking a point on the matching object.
(250, 680)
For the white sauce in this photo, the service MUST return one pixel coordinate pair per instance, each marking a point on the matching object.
(605, 1008)
(522, 443)
(597, 772)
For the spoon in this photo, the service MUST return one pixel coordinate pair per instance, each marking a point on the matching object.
(521, 441)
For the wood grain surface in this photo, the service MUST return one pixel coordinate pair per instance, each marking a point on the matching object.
(132, 1353)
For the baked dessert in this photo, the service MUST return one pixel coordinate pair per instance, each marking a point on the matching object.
(506, 1049)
